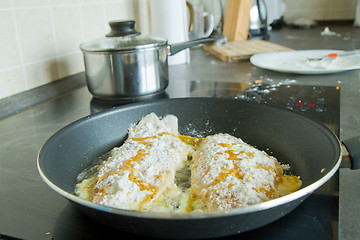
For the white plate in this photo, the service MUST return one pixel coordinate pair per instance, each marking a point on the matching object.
(296, 62)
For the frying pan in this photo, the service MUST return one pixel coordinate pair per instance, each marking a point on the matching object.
(311, 149)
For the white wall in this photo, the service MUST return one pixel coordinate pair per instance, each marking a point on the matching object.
(39, 39)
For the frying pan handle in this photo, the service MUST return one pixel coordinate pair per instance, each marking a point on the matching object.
(353, 147)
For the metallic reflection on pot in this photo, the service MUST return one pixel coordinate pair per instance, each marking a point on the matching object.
(118, 76)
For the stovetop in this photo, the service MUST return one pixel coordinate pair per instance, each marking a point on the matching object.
(31, 210)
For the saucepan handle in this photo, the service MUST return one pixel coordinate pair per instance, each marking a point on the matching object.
(177, 47)
(353, 148)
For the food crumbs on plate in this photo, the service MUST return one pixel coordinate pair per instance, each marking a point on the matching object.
(158, 170)
(322, 170)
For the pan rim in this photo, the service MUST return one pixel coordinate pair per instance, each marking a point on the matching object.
(194, 215)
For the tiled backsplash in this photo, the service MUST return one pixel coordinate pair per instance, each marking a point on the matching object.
(320, 9)
(39, 39)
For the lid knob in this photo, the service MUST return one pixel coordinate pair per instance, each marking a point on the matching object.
(122, 28)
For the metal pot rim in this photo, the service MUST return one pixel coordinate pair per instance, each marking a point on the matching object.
(91, 47)
(143, 48)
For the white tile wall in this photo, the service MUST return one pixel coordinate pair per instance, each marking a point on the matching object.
(39, 39)
(320, 9)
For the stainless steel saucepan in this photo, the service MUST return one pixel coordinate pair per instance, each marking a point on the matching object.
(127, 64)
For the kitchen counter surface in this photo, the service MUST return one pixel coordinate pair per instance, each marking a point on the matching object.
(26, 202)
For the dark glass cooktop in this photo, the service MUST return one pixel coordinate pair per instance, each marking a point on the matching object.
(43, 214)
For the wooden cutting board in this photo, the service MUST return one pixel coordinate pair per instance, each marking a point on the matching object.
(243, 50)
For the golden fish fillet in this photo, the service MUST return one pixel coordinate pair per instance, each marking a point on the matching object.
(158, 170)
(228, 173)
(143, 168)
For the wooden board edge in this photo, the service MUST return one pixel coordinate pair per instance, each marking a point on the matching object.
(215, 53)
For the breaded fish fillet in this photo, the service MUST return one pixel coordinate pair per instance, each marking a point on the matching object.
(150, 171)
(143, 167)
(228, 173)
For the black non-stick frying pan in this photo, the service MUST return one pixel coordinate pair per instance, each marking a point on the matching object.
(310, 148)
